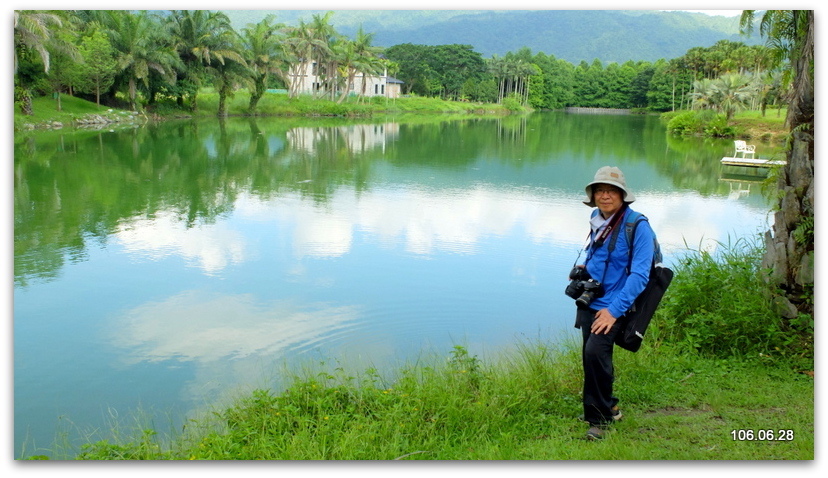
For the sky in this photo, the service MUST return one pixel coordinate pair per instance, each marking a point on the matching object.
(724, 13)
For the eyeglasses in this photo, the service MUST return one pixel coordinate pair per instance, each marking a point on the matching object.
(611, 191)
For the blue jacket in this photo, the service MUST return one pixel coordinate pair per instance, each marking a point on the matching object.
(621, 287)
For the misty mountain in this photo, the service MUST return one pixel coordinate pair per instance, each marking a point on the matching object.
(572, 35)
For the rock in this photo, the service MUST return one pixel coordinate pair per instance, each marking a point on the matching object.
(784, 307)
(805, 274)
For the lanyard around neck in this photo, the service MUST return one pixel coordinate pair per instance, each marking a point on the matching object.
(605, 233)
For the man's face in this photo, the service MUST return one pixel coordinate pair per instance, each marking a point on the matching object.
(608, 198)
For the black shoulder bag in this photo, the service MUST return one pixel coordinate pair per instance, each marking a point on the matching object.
(634, 323)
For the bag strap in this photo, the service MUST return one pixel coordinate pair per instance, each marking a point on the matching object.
(630, 227)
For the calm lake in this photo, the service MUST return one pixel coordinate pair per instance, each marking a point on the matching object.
(161, 269)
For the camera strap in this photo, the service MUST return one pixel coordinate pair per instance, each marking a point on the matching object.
(605, 233)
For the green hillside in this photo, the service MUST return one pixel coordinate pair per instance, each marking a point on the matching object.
(572, 35)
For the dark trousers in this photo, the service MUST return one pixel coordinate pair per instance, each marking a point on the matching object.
(598, 371)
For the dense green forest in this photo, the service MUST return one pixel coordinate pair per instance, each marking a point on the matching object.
(137, 59)
(571, 35)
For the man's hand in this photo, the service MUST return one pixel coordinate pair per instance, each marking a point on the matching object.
(603, 322)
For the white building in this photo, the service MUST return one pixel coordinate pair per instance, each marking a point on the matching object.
(309, 82)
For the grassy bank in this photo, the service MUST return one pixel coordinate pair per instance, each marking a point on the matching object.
(689, 394)
(768, 127)
(748, 124)
(677, 406)
(753, 125)
(46, 112)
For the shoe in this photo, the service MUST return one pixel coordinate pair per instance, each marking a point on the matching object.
(616, 414)
(594, 433)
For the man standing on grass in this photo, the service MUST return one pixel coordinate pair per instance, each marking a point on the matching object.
(620, 278)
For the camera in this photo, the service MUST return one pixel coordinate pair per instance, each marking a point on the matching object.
(583, 288)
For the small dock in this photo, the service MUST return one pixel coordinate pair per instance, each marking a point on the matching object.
(751, 163)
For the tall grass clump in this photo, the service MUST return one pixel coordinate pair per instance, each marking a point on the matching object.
(720, 304)
(433, 410)
(518, 406)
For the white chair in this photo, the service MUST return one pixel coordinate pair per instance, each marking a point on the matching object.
(744, 148)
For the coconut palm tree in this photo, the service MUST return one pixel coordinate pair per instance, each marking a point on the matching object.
(33, 31)
(227, 77)
(37, 32)
(369, 60)
(136, 39)
(322, 51)
(346, 52)
(203, 39)
(301, 46)
(265, 56)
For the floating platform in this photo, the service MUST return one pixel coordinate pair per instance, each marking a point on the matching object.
(751, 163)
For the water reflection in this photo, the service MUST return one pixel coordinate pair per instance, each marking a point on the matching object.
(201, 327)
(356, 138)
(424, 221)
(74, 188)
(212, 247)
(175, 261)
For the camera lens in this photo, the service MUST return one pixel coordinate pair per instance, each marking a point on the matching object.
(585, 299)
(575, 273)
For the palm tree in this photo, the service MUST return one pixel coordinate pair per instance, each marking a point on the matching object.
(300, 45)
(32, 32)
(229, 71)
(265, 56)
(325, 35)
(369, 61)
(346, 52)
(790, 248)
(732, 93)
(36, 32)
(495, 66)
(227, 76)
(202, 39)
(135, 36)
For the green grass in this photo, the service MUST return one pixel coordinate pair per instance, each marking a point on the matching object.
(46, 109)
(752, 125)
(720, 305)
(677, 406)
(272, 104)
(282, 105)
(769, 127)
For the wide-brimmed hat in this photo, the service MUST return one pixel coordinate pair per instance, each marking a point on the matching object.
(608, 175)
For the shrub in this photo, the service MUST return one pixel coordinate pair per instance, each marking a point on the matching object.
(685, 123)
(704, 122)
(721, 305)
(718, 127)
(511, 103)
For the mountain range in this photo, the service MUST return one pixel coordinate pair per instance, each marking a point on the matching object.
(571, 35)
